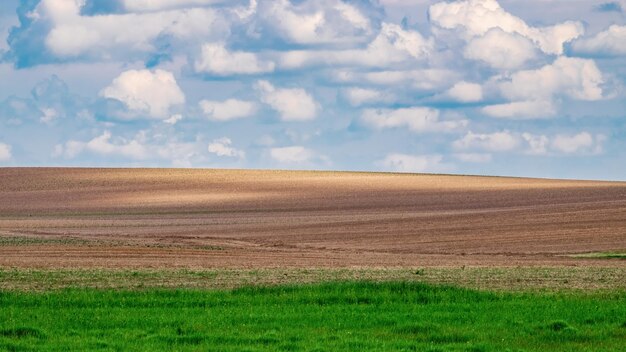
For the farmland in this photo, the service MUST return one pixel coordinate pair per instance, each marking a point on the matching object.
(145, 259)
(158, 218)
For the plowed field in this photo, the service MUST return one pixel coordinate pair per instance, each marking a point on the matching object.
(179, 218)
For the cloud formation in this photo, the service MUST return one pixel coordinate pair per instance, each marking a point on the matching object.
(383, 85)
(217, 60)
(230, 109)
(103, 145)
(611, 42)
(416, 119)
(493, 142)
(532, 92)
(293, 155)
(415, 163)
(293, 104)
(223, 147)
(475, 18)
(145, 92)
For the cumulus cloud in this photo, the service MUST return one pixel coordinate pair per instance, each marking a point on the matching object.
(429, 79)
(500, 49)
(580, 143)
(415, 163)
(174, 119)
(152, 93)
(293, 104)
(50, 103)
(474, 18)
(48, 115)
(522, 109)
(531, 92)
(494, 142)
(416, 119)
(293, 155)
(5, 152)
(227, 110)
(103, 145)
(315, 21)
(223, 147)
(73, 35)
(143, 146)
(361, 96)
(217, 60)
(537, 144)
(611, 42)
(392, 45)
(466, 92)
(576, 78)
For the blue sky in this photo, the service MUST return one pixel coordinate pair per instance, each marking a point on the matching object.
(510, 87)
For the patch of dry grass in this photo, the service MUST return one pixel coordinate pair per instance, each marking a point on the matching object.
(509, 279)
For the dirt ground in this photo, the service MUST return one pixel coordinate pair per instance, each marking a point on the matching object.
(179, 218)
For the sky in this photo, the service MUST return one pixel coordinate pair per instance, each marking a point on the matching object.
(511, 87)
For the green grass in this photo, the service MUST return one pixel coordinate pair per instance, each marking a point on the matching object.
(348, 316)
(601, 255)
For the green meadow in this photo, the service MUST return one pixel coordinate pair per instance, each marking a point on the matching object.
(339, 316)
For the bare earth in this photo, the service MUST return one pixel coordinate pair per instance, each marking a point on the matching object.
(202, 219)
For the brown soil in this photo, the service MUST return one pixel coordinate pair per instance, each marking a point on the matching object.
(176, 218)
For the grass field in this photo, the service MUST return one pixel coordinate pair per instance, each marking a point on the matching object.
(323, 317)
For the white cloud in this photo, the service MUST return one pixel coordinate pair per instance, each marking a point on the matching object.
(5, 152)
(522, 109)
(415, 163)
(475, 18)
(360, 96)
(582, 142)
(611, 42)
(227, 110)
(293, 154)
(104, 36)
(293, 104)
(473, 157)
(574, 77)
(222, 147)
(315, 21)
(216, 59)
(143, 146)
(174, 119)
(494, 142)
(537, 145)
(102, 145)
(420, 79)
(532, 92)
(393, 45)
(416, 119)
(144, 91)
(49, 115)
(466, 92)
(500, 49)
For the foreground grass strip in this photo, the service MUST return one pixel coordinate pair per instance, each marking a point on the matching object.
(333, 316)
(564, 278)
(601, 255)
